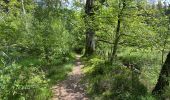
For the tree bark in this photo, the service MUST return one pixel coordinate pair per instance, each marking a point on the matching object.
(90, 42)
(163, 77)
(117, 35)
(90, 33)
(116, 42)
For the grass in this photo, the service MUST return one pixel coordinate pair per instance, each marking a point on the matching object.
(147, 62)
(33, 61)
(60, 68)
(59, 73)
(54, 72)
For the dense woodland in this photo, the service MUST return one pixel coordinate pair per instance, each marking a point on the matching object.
(125, 48)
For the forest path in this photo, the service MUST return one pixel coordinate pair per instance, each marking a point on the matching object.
(71, 88)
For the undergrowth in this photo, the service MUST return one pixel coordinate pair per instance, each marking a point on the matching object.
(31, 78)
(131, 77)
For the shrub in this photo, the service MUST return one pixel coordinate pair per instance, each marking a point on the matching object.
(112, 81)
(20, 83)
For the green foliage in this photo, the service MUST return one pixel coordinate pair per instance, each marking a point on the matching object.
(112, 81)
(21, 82)
(38, 44)
(37, 40)
(59, 69)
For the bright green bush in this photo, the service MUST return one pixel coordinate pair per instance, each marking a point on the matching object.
(23, 83)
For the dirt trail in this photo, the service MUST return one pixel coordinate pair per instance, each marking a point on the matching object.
(71, 88)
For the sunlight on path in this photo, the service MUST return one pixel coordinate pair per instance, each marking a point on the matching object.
(71, 88)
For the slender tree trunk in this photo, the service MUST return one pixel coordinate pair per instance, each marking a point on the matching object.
(163, 77)
(23, 7)
(117, 35)
(116, 42)
(90, 33)
(24, 16)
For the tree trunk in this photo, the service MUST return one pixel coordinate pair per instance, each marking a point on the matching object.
(117, 35)
(163, 77)
(116, 42)
(90, 33)
(90, 42)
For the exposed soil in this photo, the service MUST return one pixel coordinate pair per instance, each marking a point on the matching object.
(72, 88)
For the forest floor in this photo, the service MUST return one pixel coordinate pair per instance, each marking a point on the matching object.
(71, 88)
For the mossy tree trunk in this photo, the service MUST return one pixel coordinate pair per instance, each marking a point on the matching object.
(163, 77)
(90, 33)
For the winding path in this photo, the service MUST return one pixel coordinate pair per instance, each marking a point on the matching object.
(71, 88)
